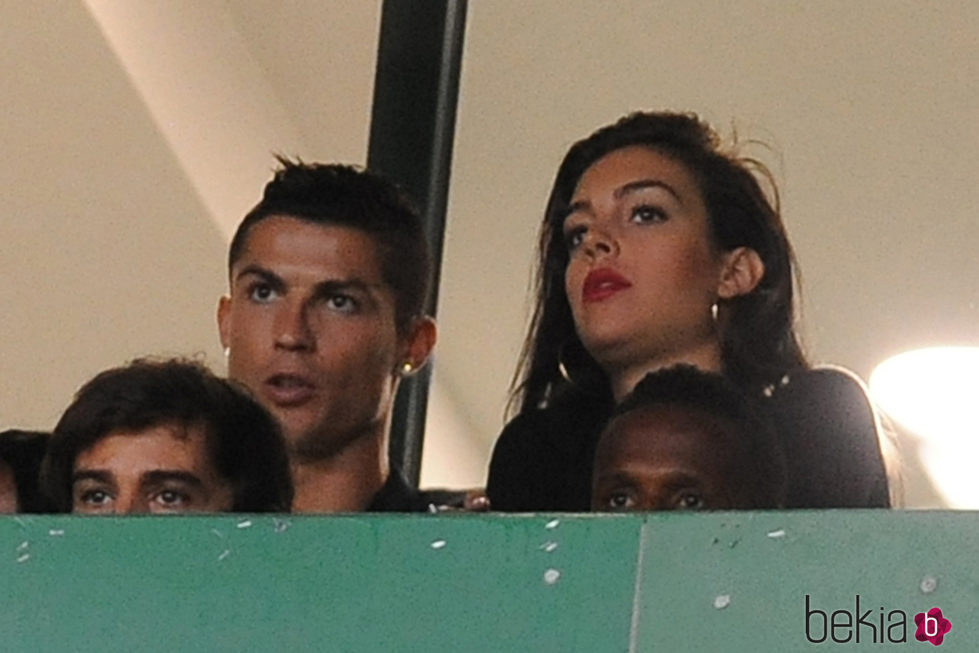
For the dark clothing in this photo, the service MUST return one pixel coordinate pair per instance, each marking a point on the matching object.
(543, 459)
(396, 495)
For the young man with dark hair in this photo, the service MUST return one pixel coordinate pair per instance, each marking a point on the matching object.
(687, 440)
(21, 453)
(329, 277)
(165, 437)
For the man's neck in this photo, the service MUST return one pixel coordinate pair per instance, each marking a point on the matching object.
(344, 482)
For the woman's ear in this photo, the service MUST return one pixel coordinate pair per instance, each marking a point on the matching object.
(418, 345)
(743, 270)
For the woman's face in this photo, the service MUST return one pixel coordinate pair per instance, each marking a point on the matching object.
(642, 271)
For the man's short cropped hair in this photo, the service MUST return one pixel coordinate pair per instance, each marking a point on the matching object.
(23, 452)
(341, 195)
(244, 442)
(764, 467)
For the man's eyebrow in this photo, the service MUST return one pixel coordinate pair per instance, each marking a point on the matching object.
(159, 476)
(100, 475)
(643, 184)
(266, 275)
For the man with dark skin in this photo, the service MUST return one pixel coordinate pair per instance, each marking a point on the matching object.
(328, 281)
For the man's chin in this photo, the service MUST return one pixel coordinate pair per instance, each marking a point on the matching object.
(314, 445)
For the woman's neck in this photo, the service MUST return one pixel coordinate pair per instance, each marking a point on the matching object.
(625, 377)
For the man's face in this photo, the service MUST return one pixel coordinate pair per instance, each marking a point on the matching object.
(163, 469)
(310, 329)
(667, 457)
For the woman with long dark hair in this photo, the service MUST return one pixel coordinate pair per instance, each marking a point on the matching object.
(659, 248)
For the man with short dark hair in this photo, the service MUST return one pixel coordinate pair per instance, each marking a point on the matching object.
(329, 276)
(165, 437)
(685, 439)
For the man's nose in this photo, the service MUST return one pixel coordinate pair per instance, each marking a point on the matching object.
(292, 329)
(129, 503)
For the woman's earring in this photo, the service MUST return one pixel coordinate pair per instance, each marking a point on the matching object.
(407, 368)
(713, 312)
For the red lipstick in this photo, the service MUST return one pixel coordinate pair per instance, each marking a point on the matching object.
(602, 283)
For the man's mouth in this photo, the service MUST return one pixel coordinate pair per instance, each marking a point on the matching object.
(602, 283)
(288, 389)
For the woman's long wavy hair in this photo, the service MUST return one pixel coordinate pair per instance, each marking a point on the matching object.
(758, 341)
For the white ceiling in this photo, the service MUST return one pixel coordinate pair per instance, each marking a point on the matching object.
(136, 134)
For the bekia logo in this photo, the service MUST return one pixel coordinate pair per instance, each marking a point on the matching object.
(890, 626)
(932, 626)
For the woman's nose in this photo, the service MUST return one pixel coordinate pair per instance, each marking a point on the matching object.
(599, 241)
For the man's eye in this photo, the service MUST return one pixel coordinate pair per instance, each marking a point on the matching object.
(95, 497)
(172, 498)
(261, 292)
(689, 501)
(342, 303)
(620, 501)
(647, 213)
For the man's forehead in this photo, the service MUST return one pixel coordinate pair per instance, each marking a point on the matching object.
(331, 249)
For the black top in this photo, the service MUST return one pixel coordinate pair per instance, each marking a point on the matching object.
(543, 459)
(396, 495)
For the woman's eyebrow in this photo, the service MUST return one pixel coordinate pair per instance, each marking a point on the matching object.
(643, 184)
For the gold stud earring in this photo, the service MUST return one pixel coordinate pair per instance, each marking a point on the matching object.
(407, 368)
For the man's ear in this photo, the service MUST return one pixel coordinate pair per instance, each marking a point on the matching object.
(743, 270)
(224, 325)
(418, 345)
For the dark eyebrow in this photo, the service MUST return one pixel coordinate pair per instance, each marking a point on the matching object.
(626, 189)
(159, 476)
(91, 475)
(328, 288)
(643, 184)
(271, 278)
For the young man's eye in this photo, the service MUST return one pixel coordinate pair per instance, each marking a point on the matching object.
(95, 497)
(620, 501)
(172, 499)
(689, 501)
(647, 213)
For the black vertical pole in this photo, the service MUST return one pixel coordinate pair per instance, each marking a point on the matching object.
(416, 87)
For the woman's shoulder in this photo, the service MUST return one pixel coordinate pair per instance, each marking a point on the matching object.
(831, 433)
(829, 387)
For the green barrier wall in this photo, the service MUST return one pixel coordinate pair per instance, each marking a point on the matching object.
(663, 582)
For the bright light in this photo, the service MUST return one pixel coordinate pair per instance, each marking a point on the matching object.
(934, 394)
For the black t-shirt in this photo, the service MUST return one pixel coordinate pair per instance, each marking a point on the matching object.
(542, 460)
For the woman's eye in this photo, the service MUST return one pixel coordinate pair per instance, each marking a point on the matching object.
(574, 237)
(647, 213)
(261, 292)
(690, 501)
